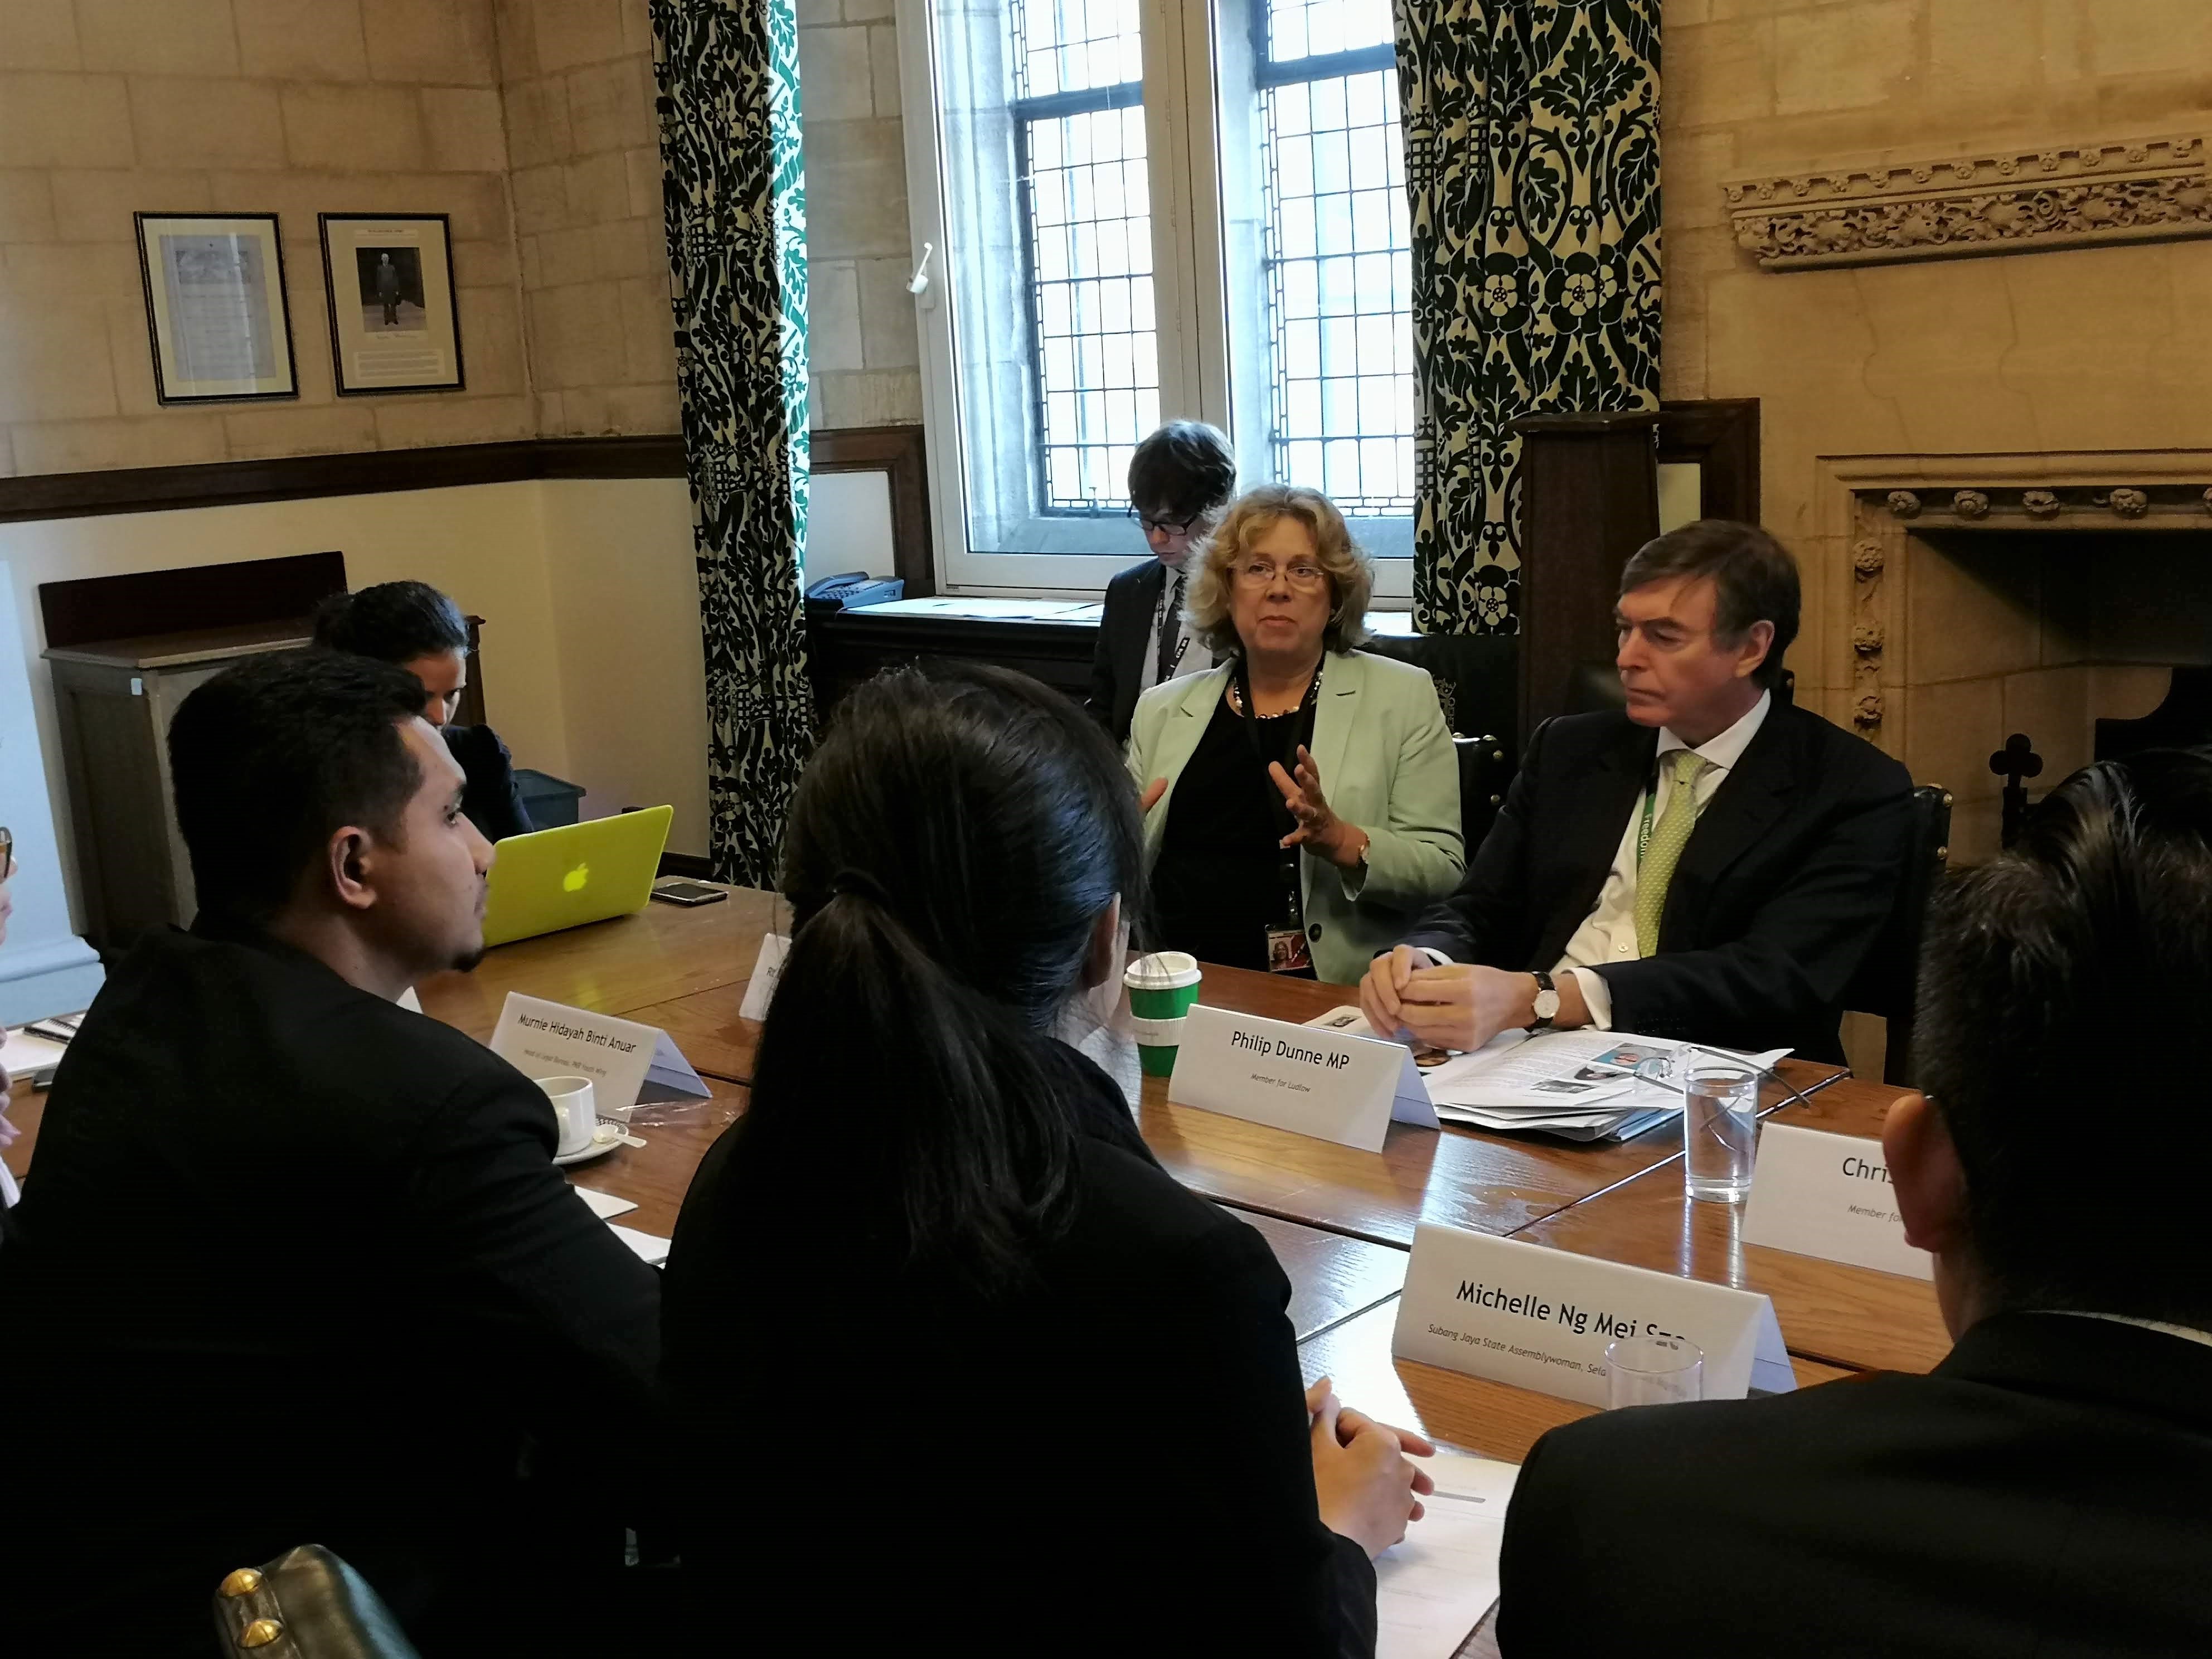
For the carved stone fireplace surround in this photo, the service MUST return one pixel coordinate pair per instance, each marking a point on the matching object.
(1875, 508)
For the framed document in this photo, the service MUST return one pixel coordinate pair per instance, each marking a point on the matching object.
(390, 280)
(215, 307)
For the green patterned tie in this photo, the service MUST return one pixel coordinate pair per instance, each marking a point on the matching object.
(1656, 867)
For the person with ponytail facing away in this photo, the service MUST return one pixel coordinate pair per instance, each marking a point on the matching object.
(931, 1305)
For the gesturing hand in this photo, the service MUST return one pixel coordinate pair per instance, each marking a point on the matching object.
(1319, 826)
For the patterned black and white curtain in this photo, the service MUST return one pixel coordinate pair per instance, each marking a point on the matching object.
(1532, 138)
(736, 200)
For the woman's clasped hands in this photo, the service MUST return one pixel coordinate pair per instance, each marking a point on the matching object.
(1369, 1487)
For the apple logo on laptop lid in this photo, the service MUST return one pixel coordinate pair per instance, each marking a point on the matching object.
(575, 881)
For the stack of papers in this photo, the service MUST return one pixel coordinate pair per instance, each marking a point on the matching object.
(1578, 1086)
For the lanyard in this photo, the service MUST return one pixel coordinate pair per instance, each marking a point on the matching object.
(1301, 732)
(1650, 797)
(1159, 632)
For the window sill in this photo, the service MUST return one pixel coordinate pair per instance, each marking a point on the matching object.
(1395, 624)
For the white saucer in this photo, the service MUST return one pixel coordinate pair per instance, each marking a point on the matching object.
(605, 1139)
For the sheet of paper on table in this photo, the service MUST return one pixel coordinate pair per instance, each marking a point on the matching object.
(1431, 1590)
(605, 1206)
(651, 1249)
(32, 1057)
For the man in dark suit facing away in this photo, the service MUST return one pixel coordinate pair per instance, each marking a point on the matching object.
(2042, 1491)
(1181, 477)
(293, 1263)
(1711, 863)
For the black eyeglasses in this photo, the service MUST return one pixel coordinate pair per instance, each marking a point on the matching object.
(1166, 526)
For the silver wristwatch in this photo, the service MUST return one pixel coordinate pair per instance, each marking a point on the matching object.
(1547, 1001)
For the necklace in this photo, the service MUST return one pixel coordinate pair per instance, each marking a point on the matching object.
(1237, 693)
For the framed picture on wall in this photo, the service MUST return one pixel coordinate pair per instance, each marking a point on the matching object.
(390, 280)
(216, 309)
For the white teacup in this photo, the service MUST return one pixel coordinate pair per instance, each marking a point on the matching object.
(574, 1106)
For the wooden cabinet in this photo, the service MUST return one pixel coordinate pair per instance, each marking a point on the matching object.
(114, 701)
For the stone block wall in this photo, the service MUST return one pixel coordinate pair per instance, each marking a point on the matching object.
(290, 106)
(584, 141)
(865, 368)
(2032, 352)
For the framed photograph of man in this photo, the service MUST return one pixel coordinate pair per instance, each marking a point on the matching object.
(390, 280)
(216, 310)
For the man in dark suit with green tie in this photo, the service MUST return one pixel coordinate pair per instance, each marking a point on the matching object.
(1709, 862)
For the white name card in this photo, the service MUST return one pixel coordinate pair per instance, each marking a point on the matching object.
(1541, 1319)
(768, 968)
(1827, 1195)
(1300, 1078)
(628, 1063)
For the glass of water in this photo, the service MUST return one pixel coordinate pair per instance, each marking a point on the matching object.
(1720, 1120)
(1653, 1370)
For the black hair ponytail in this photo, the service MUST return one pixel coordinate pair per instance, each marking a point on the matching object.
(950, 852)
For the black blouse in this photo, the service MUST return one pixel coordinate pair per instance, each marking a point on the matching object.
(1217, 885)
(491, 798)
(1112, 1459)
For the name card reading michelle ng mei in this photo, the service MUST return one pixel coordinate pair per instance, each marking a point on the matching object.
(628, 1064)
(1300, 1078)
(1826, 1195)
(1541, 1319)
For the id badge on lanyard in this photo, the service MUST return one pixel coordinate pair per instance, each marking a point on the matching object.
(1287, 948)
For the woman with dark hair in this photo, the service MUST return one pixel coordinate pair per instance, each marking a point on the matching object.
(932, 1308)
(415, 626)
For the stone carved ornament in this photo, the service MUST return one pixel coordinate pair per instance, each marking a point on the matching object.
(1955, 206)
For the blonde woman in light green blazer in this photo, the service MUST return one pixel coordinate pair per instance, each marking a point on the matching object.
(1300, 765)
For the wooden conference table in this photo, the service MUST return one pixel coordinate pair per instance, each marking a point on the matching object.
(1340, 1220)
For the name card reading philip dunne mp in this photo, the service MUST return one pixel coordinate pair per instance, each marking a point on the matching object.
(1825, 1195)
(1541, 1319)
(628, 1064)
(1299, 1078)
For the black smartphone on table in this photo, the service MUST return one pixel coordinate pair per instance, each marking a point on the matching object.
(687, 893)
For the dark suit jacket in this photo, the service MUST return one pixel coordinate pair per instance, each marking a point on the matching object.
(293, 1265)
(1787, 881)
(1117, 666)
(1121, 1446)
(2041, 1492)
(491, 798)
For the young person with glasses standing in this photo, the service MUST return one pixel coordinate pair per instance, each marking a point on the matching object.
(1180, 479)
(1301, 798)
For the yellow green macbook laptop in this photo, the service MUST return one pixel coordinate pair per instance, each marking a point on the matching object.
(578, 873)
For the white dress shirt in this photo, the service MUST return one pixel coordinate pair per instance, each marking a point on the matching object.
(1609, 932)
(1195, 659)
